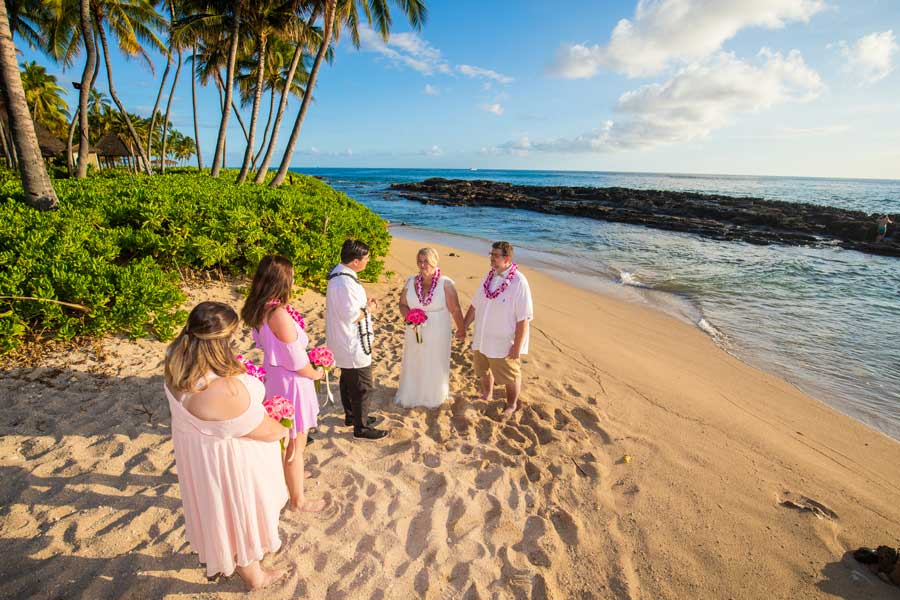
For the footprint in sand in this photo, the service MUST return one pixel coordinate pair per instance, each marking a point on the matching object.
(532, 471)
(565, 527)
(431, 460)
(589, 420)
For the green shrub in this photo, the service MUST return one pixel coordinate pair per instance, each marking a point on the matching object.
(117, 242)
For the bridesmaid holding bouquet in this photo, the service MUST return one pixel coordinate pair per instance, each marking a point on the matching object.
(279, 330)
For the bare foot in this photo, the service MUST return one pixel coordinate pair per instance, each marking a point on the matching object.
(487, 397)
(256, 578)
(510, 411)
(307, 506)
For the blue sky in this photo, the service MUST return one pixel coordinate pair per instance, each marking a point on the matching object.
(767, 87)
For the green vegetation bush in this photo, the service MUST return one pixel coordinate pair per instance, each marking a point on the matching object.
(117, 243)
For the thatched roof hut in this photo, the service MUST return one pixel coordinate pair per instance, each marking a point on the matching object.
(50, 144)
(112, 146)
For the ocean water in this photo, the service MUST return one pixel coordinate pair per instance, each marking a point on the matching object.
(825, 319)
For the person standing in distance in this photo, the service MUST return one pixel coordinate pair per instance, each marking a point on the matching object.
(348, 330)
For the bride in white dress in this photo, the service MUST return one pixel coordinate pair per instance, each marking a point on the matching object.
(425, 372)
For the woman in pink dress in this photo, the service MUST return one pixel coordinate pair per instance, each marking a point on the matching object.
(226, 454)
(279, 331)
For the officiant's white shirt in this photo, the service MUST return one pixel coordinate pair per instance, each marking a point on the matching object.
(495, 320)
(343, 301)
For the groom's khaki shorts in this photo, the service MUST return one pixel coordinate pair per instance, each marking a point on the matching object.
(506, 370)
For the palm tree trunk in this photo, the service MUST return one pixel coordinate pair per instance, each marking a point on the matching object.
(162, 85)
(219, 158)
(254, 115)
(90, 66)
(70, 161)
(39, 191)
(168, 112)
(307, 96)
(265, 134)
(6, 153)
(194, 101)
(112, 92)
(282, 104)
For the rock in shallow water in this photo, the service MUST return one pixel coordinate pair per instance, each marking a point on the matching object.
(751, 220)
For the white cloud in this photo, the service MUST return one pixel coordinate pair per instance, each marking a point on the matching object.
(872, 56)
(409, 50)
(664, 32)
(430, 90)
(406, 49)
(495, 108)
(475, 72)
(699, 99)
(433, 151)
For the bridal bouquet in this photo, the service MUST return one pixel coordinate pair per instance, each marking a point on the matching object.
(322, 356)
(416, 317)
(258, 372)
(282, 410)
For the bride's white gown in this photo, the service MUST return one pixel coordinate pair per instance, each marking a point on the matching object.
(425, 372)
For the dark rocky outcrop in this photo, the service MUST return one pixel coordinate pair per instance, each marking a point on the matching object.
(752, 220)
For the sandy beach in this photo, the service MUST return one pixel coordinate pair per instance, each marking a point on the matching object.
(646, 463)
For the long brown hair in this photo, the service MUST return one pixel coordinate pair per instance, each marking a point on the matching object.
(203, 346)
(273, 280)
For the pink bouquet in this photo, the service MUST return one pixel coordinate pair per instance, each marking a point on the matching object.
(282, 410)
(258, 372)
(321, 356)
(417, 317)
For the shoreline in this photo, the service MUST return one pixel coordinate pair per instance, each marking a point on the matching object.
(735, 484)
(667, 303)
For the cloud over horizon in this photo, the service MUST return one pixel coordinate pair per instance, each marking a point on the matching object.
(871, 57)
(669, 32)
(697, 100)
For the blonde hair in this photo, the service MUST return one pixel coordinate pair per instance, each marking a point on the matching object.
(431, 254)
(203, 346)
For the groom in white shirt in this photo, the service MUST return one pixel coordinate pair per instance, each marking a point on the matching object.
(348, 330)
(502, 310)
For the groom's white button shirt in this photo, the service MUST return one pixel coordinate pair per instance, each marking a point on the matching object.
(495, 320)
(343, 301)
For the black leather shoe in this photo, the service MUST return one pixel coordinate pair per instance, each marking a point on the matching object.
(348, 421)
(309, 437)
(369, 433)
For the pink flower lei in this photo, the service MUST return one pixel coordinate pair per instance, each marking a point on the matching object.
(426, 300)
(487, 282)
(295, 314)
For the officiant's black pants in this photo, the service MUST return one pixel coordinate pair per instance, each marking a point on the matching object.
(356, 389)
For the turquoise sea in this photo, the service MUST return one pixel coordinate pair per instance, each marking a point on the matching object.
(825, 319)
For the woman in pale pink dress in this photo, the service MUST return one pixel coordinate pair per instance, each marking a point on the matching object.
(278, 331)
(226, 452)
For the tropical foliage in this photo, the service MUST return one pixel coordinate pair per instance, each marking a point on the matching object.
(241, 47)
(114, 250)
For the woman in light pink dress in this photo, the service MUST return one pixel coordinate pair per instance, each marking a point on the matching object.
(279, 331)
(226, 451)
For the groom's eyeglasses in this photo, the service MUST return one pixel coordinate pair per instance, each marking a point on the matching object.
(496, 255)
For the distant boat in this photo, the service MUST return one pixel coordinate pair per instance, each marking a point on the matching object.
(472, 169)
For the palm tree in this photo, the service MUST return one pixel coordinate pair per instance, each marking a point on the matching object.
(39, 191)
(265, 19)
(336, 13)
(279, 55)
(217, 26)
(130, 21)
(310, 38)
(194, 103)
(44, 97)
